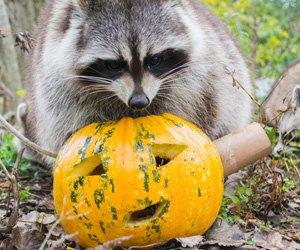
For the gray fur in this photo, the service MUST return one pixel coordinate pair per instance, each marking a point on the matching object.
(74, 33)
(281, 93)
(289, 123)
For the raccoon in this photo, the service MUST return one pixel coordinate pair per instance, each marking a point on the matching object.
(99, 60)
(281, 94)
(289, 125)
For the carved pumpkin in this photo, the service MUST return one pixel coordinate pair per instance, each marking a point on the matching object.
(155, 177)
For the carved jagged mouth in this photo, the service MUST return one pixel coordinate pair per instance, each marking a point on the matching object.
(143, 217)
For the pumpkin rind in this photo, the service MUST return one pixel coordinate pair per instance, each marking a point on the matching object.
(186, 193)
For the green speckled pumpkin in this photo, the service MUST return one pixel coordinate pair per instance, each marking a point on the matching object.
(154, 177)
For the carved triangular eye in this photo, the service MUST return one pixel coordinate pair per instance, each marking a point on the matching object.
(88, 167)
(164, 153)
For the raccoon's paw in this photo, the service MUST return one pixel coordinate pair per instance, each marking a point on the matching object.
(20, 116)
(21, 112)
(278, 148)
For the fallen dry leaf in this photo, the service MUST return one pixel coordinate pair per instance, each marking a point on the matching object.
(271, 240)
(41, 218)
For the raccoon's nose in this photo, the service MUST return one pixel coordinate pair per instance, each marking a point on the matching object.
(138, 102)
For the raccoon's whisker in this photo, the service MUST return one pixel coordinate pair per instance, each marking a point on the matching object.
(105, 98)
(173, 71)
(98, 72)
(175, 85)
(112, 104)
(170, 72)
(168, 97)
(92, 91)
(95, 79)
(175, 74)
(96, 91)
(174, 82)
(175, 88)
(109, 97)
(178, 82)
(95, 87)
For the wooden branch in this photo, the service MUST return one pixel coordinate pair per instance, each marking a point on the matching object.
(29, 143)
(13, 178)
(5, 89)
(112, 243)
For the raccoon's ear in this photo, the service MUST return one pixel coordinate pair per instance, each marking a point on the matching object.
(86, 4)
(171, 3)
(296, 96)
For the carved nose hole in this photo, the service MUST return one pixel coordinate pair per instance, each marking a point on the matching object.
(144, 216)
(165, 153)
(161, 161)
(99, 170)
(88, 167)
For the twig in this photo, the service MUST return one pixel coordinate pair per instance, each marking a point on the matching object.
(29, 143)
(8, 201)
(285, 163)
(13, 178)
(235, 82)
(112, 243)
(23, 39)
(5, 89)
(63, 216)
(58, 243)
(34, 195)
(251, 97)
(296, 168)
(2, 35)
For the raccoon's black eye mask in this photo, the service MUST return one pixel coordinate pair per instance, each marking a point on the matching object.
(160, 65)
(165, 63)
(111, 69)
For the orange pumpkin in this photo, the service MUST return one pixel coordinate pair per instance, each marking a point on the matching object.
(154, 177)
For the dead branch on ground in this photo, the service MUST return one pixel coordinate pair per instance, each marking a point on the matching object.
(13, 178)
(26, 141)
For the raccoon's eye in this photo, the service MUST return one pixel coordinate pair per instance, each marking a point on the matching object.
(111, 69)
(115, 66)
(166, 63)
(155, 60)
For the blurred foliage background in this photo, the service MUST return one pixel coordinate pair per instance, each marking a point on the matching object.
(268, 30)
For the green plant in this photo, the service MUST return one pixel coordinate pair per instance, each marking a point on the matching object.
(272, 134)
(288, 185)
(8, 155)
(25, 195)
(267, 30)
(250, 242)
(225, 213)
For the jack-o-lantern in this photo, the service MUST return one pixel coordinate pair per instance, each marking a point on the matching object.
(155, 177)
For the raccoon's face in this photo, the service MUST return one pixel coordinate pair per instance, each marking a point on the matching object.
(289, 135)
(130, 50)
(289, 131)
